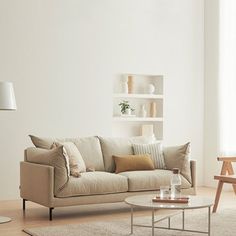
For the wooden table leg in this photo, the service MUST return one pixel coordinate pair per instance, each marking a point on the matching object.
(217, 197)
(231, 172)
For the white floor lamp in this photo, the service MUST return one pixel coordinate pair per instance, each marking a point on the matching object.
(8, 103)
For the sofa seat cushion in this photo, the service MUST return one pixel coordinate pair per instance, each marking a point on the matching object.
(150, 179)
(92, 183)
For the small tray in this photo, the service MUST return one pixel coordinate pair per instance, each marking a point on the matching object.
(169, 200)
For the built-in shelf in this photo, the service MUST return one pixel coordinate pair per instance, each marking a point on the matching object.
(147, 103)
(136, 95)
(121, 118)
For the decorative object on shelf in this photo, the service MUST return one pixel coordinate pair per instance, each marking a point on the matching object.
(124, 85)
(128, 111)
(143, 111)
(150, 89)
(8, 103)
(153, 109)
(130, 84)
(125, 108)
(147, 131)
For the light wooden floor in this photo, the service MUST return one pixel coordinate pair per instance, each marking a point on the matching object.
(38, 216)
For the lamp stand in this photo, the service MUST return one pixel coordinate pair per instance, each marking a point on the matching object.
(4, 219)
(7, 103)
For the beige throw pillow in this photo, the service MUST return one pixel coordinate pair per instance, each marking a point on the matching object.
(154, 150)
(45, 143)
(76, 161)
(133, 162)
(56, 158)
(178, 157)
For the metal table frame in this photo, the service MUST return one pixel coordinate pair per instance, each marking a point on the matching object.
(208, 232)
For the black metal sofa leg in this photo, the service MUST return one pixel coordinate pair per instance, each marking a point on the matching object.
(50, 209)
(50, 213)
(23, 205)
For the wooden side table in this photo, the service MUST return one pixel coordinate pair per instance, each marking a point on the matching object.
(226, 176)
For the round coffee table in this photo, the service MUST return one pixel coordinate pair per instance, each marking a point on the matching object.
(145, 201)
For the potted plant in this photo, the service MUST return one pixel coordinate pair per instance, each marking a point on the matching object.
(125, 108)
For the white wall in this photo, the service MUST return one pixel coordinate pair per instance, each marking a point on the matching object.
(211, 131)
(63, 55)
(211, 111)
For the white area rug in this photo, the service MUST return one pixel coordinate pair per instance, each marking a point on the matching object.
(223, 223)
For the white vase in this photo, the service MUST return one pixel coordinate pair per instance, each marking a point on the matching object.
(128, 111)
(151, 89)
(124, 87)
(143, 111)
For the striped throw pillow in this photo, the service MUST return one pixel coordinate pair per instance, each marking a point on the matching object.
(154, 150)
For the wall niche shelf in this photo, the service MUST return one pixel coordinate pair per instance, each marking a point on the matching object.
(148, 96)
(139, 96)
(121, 118)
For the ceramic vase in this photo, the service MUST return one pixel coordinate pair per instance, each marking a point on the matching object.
(130, 84)
(128, 111)
(151, 89)
(153, 109)
(124, 87)
(143, 111)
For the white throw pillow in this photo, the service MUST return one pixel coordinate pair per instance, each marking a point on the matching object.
(76, 161)
(154, 150)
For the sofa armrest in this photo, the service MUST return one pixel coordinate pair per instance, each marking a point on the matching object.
(37, 183)
(193, 164)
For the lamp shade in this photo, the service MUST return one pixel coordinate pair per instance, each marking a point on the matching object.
(7, 96)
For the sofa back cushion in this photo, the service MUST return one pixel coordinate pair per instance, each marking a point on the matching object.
(91, 152)
(116, 147)
(89, 147)
(56, 158)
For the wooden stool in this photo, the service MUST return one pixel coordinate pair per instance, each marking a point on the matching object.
(226, 176)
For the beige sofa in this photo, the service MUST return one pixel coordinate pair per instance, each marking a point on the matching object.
(101, 186)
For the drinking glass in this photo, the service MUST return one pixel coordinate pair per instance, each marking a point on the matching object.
(164, 192)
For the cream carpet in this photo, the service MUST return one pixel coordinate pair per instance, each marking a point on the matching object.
(223, 223)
